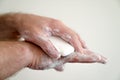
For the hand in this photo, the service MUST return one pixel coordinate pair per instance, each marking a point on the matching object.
(41, 61)
(37, 29)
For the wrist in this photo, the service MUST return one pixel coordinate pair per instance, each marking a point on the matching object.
(13, 57)
(27, 54)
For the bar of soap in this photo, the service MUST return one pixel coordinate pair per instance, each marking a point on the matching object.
(62, 47)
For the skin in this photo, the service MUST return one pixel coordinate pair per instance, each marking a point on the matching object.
(12, 58)
(22, 54)
(34, 52)
(37, 29)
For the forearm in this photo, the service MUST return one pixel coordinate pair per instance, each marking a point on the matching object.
(13, 57)
(10, 20)
(8, 26)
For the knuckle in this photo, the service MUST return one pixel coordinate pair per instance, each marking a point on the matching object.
(55, 22)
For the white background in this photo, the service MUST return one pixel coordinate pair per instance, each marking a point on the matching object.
(98, 23)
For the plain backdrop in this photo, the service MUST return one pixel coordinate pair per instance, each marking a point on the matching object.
(98, 23)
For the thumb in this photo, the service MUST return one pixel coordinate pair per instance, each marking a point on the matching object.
(59, 68)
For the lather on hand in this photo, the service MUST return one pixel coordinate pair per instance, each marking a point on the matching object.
(41, 61)
(36, 29)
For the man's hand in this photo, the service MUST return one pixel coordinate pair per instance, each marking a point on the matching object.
(39, 53)
(41, 61)
(37, 29)
(16, 55)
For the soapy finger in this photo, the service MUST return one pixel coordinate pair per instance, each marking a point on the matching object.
(87, 57)
(67, 34)
(59, 68)
(41, 40)
(82, 42)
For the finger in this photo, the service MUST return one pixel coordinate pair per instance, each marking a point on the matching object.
(59, 68)
(40, 40)
(47, 46)
(89, 57)
(59, 29)
(82, 42)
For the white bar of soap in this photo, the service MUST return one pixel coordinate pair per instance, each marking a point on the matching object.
(62, 47)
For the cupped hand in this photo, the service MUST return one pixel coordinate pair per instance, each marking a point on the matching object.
(41, 61)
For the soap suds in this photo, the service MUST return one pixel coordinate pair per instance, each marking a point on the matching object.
(68, 36)
(55, 64)
(43, 38)
(56, 30)
(47, 28)
(21, 39)
(47, 31)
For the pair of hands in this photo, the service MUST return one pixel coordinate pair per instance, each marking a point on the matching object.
(36, 30)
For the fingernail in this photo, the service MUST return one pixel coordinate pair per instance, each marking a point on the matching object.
(102, 59)
(56, 56)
